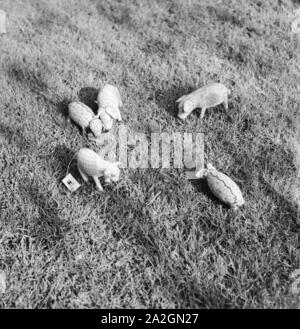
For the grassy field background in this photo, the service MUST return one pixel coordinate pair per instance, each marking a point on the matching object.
(157, 240)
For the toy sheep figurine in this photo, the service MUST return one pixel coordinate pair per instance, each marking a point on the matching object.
(96, 127)
(109, 101)
(205, 97)
(85, 118)
(106, 119)
(223, 187)
(89, 163)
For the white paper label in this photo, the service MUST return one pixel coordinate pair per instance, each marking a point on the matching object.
(71, 183)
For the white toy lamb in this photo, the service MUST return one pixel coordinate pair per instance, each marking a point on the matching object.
(89, 163)
(222, 186)
(106, 119)
(208, 96)
(85, 118)
(109, 102)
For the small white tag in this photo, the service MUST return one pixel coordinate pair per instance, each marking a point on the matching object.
(71, 183)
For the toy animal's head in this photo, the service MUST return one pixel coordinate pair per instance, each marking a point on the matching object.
(112, 173)
(96, 127)
(114, 112)
(185, 107)
(106, 119)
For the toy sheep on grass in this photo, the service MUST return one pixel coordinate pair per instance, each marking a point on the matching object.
(223, 187)
(208, 96)
(89, 163)
(106, 119)
(85, 118)
(109, 102)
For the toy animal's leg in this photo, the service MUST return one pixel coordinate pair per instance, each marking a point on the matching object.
(94, 139)
(98, 185)
(202, 112)
(119, 116)
(84, 133)
(83, 175)
(226, 102)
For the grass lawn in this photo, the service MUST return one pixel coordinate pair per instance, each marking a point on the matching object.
(157, 240)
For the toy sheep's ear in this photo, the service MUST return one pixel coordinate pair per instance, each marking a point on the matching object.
(180, 99)
(188, 106)
(113, 113)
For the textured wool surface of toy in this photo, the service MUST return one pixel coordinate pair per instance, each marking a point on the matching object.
(109, 98)
(81, 114)
(205, 97)
(222, 186)
(106, 119)
(2, 22)
(96, 126)
(89, 163)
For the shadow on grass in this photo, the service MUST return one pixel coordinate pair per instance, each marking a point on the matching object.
(202, 187)
(219, 110)
(159, 47)
(47, 227)
(62, 107)
(117, 13)
(287, 213)
(166, 99)
(132, 216)
(132, 220)
(88, 96)
(52, 21)
(34, 80)
(202, 296)
(274, 157)
(30, 79)
(63, 161)
(15, 137)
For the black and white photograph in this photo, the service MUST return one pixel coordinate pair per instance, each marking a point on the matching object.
(149, 156)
